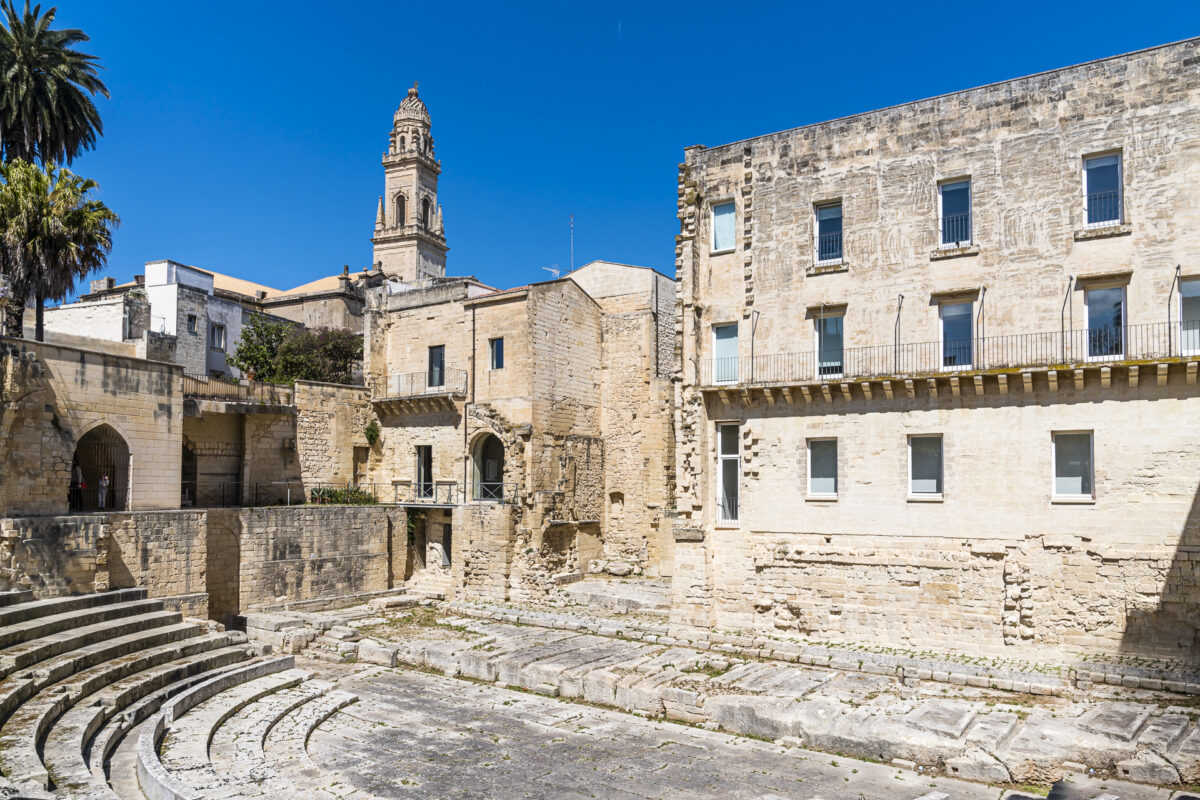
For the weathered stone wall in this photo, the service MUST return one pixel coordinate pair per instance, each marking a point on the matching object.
(53, 395)
(53, 556)
(217, 441)
(307, 552)
(164, 552)
(191, 349)
(270, 463)
(995, 565)
(484, 549)
(331, 421)
(565, 328)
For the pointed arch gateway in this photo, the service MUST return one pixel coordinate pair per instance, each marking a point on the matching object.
(101, 482)
(487, 468)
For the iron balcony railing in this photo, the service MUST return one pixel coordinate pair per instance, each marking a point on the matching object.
(430, 382)
(956, 229)
(829, 247)
(437, 493)
(1104, 208)
(207, 388)
(1057, 348)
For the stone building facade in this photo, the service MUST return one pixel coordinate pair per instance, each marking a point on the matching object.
(519, 426)
(936, 377)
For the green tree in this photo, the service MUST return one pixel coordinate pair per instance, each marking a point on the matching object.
(257, 352)
(46, 88)
(281, 352)
(52, 234)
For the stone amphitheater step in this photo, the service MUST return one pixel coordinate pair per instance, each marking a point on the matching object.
(70, 741)
(32, 609)
(285, 747)
(186, 723)
(116, 640)
(12, 636)
(14, 596)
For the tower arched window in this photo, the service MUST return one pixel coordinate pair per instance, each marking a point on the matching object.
(425, 212)
(401, 218)
(401, 144)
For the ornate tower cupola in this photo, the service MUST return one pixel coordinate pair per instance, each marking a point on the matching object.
(410, 242)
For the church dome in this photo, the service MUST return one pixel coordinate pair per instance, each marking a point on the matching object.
(412, 108)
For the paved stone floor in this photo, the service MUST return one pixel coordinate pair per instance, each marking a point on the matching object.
(416, 735)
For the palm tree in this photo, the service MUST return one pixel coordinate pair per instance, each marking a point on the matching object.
(51, 234)
(46, 89)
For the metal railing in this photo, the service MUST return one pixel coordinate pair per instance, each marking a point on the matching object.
(1104, 208)
(436, 493)
(1056, 348)
(211, 494)
(829, 247)
(208, 388)
(419, 384)
(956, 228)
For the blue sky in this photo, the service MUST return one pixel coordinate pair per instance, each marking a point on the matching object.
(246, 137)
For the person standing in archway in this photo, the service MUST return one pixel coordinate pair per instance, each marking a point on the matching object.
(102, 493)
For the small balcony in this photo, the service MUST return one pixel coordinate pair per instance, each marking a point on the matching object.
(418, 392)
(223, 395)
(1131, 346)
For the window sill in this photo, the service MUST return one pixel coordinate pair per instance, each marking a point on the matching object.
(954, 252)
(1073, 501)
(826, 267)
(722, 252)
(821, 498)
(1103, 231)
(925, 498)
(727, 525)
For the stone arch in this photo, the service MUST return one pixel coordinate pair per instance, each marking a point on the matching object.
(487, 468)
(102, 480)
(400, 205)
(425, 206)
(222, 574)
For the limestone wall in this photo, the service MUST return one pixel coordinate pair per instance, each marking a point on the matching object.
(53, 556)
(163, 552)
(331, 421)
(53, 395)
(308, 552)
(565, 326)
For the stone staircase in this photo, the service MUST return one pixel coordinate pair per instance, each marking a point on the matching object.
(431, 583)
(112, 696)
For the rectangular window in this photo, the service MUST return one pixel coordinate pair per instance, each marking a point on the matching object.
(829, 346)
(1102, 190)
(728, 471)
(218, 337)
(1073, 465)
(437, 366)
(496, 353)
(424, 471)
(1106, 322)
(829, 233)
(956, 334)
(925, 466)
(723, 216)
(955, 201)
(191, 323)
(1189, 316)
(725, 353)
(822, 467)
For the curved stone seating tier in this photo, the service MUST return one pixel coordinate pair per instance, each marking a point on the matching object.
(25, 610)
(171, 726)
(285, 747)
(26, 642)
(74, 743)
(14, 596)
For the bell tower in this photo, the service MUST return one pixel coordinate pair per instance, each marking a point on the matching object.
(409, 241)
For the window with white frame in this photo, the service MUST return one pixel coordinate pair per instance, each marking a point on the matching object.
(822, 467)
(829, 345)
(218, 337)
(956, 334)
(725, 353)
(1189, 316)
(1073, 465)
(829, 233)
(424, 471)
(436, 374)
(1102, 189)
(954, 222)
(496, 353)
(729, 470)
(925, 466)
(723, 215)
(1105, 322)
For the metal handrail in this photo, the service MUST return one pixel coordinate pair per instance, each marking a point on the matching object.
(1048, 349)
(956, 228)
(208, 388)
(829, 247)
(1104, 208)
(418, 384)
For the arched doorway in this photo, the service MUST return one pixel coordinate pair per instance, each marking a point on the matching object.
(487, 461)
(103, 475)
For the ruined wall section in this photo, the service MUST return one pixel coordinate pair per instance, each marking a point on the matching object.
(331, 421)
(162, 552)
(270, 464)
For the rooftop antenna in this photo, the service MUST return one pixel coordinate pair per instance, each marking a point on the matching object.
(572, 243)
(553, 270)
